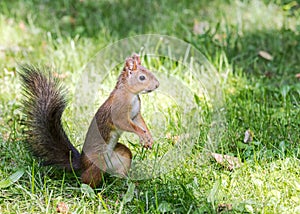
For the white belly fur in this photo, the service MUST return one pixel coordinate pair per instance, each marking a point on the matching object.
(114, 137)
(135, 107)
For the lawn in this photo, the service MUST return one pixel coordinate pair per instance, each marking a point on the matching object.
(251, 47)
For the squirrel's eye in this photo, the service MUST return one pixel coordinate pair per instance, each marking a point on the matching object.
(142, 77)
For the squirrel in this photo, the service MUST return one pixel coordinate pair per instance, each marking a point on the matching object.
(45, 103)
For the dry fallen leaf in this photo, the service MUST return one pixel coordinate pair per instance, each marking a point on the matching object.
(248, 136)
(22, 26)
(269, 74)
(224, 207)
(62, 207)
(221, 38)
(174, 138)
(265, 55)
(228, 161)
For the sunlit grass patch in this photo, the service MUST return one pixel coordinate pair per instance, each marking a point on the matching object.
(268, 187)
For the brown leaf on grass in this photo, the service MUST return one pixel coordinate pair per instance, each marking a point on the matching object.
(173, 138)
(62, 207)
(72, 20)
(265, 55)
(269, 74)
(22, 26)
(221, 38)
(227, 161)
(224, 207)
(248, 136)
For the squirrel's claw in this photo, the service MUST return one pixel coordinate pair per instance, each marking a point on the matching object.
(146, 141)
(148, 146)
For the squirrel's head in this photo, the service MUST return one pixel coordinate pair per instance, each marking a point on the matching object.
(137, 78)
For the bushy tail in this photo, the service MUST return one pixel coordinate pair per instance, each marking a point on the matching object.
(43, 106)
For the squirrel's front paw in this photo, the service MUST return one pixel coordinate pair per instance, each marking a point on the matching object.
(147, 141)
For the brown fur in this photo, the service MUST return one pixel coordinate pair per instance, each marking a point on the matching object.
(101, 150)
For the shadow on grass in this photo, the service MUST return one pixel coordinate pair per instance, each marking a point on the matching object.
(242, 53)
(88, 18)
(265, 96)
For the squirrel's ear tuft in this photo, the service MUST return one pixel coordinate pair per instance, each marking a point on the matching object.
(136, 58)
(129, 64)
(134, 65)
(132, 62)
(136, 61)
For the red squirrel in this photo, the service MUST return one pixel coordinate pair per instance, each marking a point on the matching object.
(101, 151)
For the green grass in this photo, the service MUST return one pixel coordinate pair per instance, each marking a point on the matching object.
(259, 94)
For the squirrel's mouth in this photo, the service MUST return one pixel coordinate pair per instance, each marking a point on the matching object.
(146, 91)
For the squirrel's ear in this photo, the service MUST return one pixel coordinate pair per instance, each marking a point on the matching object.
(136, 61)
(134, 65)
(129, 64)
(136, 58)
(132, 62)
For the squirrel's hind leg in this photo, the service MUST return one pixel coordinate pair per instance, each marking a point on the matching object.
(121, 160)
(117, 163)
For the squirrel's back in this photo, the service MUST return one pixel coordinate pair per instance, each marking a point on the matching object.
(43, 106)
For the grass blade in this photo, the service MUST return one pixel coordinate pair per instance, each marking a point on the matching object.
(11, 179)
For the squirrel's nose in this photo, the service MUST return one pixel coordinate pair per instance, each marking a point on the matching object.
(157, 84)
